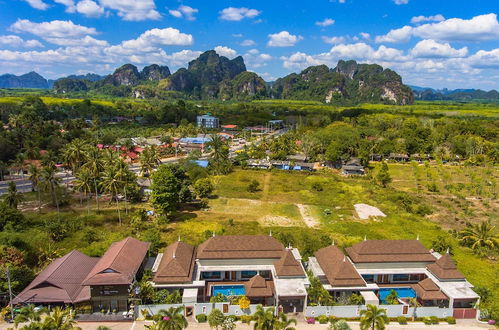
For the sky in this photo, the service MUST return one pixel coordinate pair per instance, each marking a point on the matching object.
(430, 43)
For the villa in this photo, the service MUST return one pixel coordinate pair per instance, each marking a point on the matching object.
(259, 267)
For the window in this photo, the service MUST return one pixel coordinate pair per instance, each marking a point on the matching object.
(400, 277)
(416, 277)
(368, 278)
(266, 274)
(246, 275)
(211, 275)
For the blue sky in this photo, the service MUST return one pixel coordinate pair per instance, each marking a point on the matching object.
(435, 43)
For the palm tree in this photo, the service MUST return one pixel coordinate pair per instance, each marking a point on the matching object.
(373, 318)
(83, 183)
(60, 319)
(112, 185)
(95, 166)
(28, 314)
(3, 169)
(51, 182)
(264, 319)
(19, 163)
(110, 157)
(125, 176)
(149, 160)
(414, 303)
(35, 176)
(480, 235)
(75, 154)
(13, 197)
(284, 323)
(171, 319)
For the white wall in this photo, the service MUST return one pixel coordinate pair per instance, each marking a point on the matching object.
(391, 311)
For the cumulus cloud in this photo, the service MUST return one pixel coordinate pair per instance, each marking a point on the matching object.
(401, 2)
(431, 48)
(299, 61)
(333, 40)
(478, 28)
(225, 51)
(133, 10)
(254, 59)
(184, 12)
(247, 43)
(16, 41)
(182, 57)
(89, 8)
(70, 5)
(37, 4)
(237, 14)
(365, 35)
(325, 22)
(434, 18)
(283, 39)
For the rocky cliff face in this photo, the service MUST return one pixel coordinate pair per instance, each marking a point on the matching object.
(28, 80)
(347, 82)
(155, 72)
(126, 75)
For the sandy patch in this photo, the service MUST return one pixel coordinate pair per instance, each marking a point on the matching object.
(365, 211)
(305, 212)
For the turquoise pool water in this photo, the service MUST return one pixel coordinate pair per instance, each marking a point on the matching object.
(402, 293)
(228, 290)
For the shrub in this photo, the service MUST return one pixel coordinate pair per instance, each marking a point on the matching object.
(201, 318)
(322, 319)
(402, 320)
(434, 320)
(253, 186)
(450, 320)
(310, 320)
(333, 319)
(246, 319)
(340, 325)
(427, 320)
(317, 186)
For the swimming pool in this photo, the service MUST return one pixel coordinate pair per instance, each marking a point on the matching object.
(401, 292)
(228, 290)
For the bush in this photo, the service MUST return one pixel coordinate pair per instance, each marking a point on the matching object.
(333, 319)
(434, 320)
(340, 325)
(246, 319)
(253, 186)
(201, 318)
(450, 320)
(322, 319)
(310, 320)
(427, 320)
(402, 320)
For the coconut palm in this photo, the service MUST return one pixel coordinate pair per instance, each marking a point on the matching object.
(60, 319)
(35, 177)
(28, 314)
(373, 318)
(414, 303)
(83, 183)
(51, 183)
(125, 176)
(109, 157)
(264, 319)
(3, 169)
(149, 160)
(112, 185)
(171, 319)
(482, 235)
(95, 166)
(13, 197)
(74, 154)
(19, 163)
(284, 323)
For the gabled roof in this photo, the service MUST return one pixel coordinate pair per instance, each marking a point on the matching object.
(428, 290)
(257, 286)
(240, 247)
(445, 268)
(61, 281)
(389, 251)
(339, 270)
(120, 263)
(177, 264)
(288, 265)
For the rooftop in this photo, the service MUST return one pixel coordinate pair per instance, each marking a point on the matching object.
(445, 269)
(288, 265)
(428, 290)
(176, 265)
(338, 269)
(372, 251)
(240, 247)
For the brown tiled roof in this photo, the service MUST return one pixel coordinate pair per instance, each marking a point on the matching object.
(120, 263)
(176, 265)
(288, 265)
(257, 286)
(445, 268)
(428, 290)
(240, 247)
(339, 270)
(389, 251)
(61, 281)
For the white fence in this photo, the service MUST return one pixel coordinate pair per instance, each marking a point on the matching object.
(391, 311)
(199, 308)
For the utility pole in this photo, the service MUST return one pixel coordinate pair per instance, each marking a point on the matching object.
(10, 295)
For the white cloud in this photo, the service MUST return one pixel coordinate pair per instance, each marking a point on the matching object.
(333, 40)
(247, 43)
(182, 57)
(237, 14)
(485, 59)
(299, 61)
(254, 59)
(325, 22)
(70, 5)
(16, 41)
(133, 10)
(431, 48)
(185, 12)
(89, 8)
(237, 35)
(478, 28)
(225, 51)
(365, 35)
(401, 2)
(283, 39)
(37, 4)
(434, 18)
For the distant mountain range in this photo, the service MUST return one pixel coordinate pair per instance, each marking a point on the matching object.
(212, 76)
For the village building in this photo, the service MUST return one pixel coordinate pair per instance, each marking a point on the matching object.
(207, 121)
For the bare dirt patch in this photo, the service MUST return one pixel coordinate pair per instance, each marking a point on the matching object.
(305, 212)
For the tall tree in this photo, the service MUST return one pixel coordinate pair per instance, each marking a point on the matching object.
(13, 197)
(74, 154)
(219, 157)
(95, 166)
(373, 318)
(482, 235)
(165, 190)
(83, 183)
(35, 176)
(383, 176)
(170, 319)
(264, 319)
(112, 185)
(149, 160)
(51, 183)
